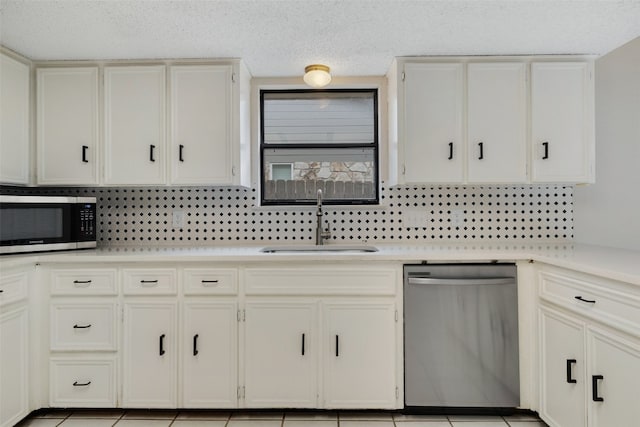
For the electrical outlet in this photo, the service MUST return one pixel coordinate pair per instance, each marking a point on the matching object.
(177, 219)
(457, 217)
(415, 218)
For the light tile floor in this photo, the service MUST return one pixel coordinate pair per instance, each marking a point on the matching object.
(169, 418)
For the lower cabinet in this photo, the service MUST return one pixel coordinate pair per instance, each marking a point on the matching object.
(14, 365)
(288, 353)
(589, 353)
(150, 356)
(209, 353)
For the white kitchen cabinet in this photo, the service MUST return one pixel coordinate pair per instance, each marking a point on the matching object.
(359, 355)
(15, 82)
(562, 118)
(201, 144)
(14, 346)
(563, 370)
(209, 353)
(150, 355)
(433, 140)
(134, 125)
(497, 122)
(281, 358)
(67, 126)
(14, 366)
(589, 350)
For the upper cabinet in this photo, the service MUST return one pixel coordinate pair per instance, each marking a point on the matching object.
(496, 123)
(201, 147)
(466, 121)
(67, 126)
(562, 135)
(134, 125)
(14, 120)
(184, 124)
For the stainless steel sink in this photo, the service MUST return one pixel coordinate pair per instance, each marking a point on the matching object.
(320, 248)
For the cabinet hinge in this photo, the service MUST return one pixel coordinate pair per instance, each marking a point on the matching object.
(397, 392)
(396, 315)
(404, 170)
(403, 75)
(233, 77)
(233, 171)
(241, 315)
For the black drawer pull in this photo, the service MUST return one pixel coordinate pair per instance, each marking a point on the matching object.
(162, 352)
(206, 282)
(82, 282)
(1, 291)
(77, 384)
(545, 156)
(195, 344)
(84, 154)
(82, 326)
(590, 301)
(148, 282)
(570, 363)
(594, 386)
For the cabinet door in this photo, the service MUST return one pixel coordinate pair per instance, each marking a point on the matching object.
(150, 368)
(561, 121)
(134, 125)
(614, 378)
(14, 362)
(209, 361)
(67, 125)
(359, 359)
(201, 151)
(280, 355)
(433, 137)
(14, 121)
(496, 120)
(563, 370)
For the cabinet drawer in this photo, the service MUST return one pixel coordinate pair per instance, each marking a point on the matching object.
(90, 281)
(83, 327)
(329, 280)
(13, 288)
(82, 383)
(150, 281)
(602, 300)
(204, 281)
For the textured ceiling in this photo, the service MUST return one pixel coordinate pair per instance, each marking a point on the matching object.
(280, 37)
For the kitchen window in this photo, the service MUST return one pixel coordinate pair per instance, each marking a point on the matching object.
(319, 139)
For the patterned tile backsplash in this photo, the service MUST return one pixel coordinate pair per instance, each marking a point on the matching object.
(216, 216)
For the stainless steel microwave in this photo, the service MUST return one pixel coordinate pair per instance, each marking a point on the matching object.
(44, 223)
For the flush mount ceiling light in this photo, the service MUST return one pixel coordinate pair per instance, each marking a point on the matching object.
(317, 75)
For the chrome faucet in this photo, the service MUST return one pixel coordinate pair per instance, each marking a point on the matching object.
(321, 234)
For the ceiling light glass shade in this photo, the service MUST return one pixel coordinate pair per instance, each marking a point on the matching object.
(317, 75)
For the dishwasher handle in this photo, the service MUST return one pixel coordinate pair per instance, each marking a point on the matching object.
(467, 282)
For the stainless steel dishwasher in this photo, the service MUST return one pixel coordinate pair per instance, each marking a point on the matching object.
(461, 336)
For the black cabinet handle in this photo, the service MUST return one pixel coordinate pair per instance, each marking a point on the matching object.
(77, 384)
(481, 147)
(590, 301)
(162, 352)
(82, 282)
(1, 291)
(180, 152)
(84, 153)
(151, 152)
(195, 344)
(303, 344)
(450, 151)
(337, 346)
(570, 363)
(208, 282)
(148, 283)
(594, 387)
(545, 156)
(82, 326)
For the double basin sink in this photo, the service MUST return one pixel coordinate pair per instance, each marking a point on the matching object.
(320, 248)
